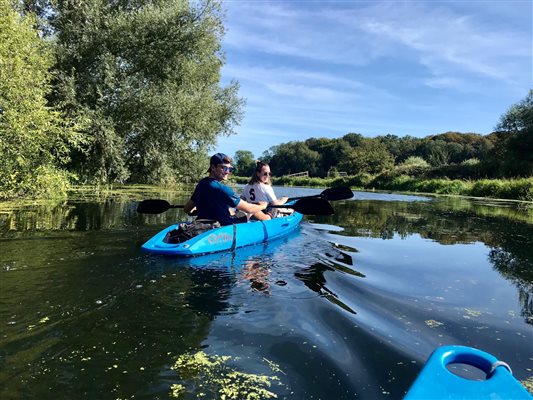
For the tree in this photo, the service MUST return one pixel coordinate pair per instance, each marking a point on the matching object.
(400, 147)
(146, 77)
(293, 157)
(519, 118)
(332, 151)
(513, 149)
(353, 139)
(34, 140)
(244, 163)
(371, 156)
(436, 152)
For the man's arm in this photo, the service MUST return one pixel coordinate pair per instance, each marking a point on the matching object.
(189, 206)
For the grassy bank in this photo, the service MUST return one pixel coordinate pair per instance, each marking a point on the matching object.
(514, 189)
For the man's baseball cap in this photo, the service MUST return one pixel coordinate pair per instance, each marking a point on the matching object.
(218, 158)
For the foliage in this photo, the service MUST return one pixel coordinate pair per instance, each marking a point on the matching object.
(519, 118)
(370, 156)
(331, 151)
(514, 189)
(34, 140)
(521, 189)
(513, 153)
(294, 157)
(244, 163)
(146, 77)
(413, 165)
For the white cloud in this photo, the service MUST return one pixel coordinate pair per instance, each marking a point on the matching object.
(359, 33)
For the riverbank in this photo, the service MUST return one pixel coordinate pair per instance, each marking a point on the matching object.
(510, 189)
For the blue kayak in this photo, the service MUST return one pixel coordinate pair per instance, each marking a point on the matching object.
(435, 381)
(225, 238)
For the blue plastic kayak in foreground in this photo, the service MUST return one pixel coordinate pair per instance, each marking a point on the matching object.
(228, 237)
(435, 381)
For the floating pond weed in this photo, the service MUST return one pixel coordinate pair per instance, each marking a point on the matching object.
(528, 384)
(211, 375)
(433, 324)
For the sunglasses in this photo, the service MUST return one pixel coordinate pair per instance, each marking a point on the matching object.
(227, 169)
(267, 174)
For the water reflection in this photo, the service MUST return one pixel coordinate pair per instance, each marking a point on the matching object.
(507, 230)
(349, 305)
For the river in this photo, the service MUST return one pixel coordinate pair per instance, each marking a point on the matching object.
(348, 306)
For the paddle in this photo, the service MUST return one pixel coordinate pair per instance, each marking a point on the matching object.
(306, 206)
(331, 194)
(155, 206)
(309, 206)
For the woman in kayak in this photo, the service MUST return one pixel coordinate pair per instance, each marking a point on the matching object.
(259, 189)
(213, 200)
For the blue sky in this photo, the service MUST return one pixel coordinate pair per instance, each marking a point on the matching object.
(328, 68)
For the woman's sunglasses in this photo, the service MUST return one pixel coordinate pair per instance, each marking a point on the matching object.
(267, 173)
(227, 169)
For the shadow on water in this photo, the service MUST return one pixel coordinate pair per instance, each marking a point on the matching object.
(348, 305)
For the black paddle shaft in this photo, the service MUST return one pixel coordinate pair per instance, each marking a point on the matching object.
(155, 206)
(331, 194)
(306, 206)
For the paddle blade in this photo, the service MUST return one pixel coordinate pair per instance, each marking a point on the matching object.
(312, 206)
(337, 193)
(153, 206)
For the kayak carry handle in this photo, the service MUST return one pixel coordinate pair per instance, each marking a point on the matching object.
(435, 381)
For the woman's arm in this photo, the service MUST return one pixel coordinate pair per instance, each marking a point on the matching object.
(251, 208)
(280, 201)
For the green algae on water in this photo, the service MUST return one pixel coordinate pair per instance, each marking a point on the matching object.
(211, 376)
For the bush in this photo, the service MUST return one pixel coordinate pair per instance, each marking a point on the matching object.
(442, 186)
(414, 161)
(361, 180)
(487, 188)
(51, 182)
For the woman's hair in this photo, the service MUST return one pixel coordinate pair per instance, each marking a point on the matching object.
(258, 166)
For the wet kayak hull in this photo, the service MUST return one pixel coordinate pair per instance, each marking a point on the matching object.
(224, 238)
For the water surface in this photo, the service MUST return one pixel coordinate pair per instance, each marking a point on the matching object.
(348, 306)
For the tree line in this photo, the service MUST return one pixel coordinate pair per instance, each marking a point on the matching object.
(505, 153)
(109, 92)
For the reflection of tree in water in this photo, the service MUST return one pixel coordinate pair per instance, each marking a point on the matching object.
(519, 272)
(505, 228)
(80, 214)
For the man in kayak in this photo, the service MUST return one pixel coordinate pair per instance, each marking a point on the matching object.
(213, 200)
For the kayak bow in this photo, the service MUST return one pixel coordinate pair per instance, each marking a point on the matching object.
(435, 381)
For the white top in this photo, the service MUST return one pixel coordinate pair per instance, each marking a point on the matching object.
(258, 192)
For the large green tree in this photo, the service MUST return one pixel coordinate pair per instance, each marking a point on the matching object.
(146, 77)
(331, 151)
(370, 156)
(294, 157)
(514, 145)
(244, 163)
(34, 140)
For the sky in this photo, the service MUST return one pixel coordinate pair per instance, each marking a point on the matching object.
(328, 68)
